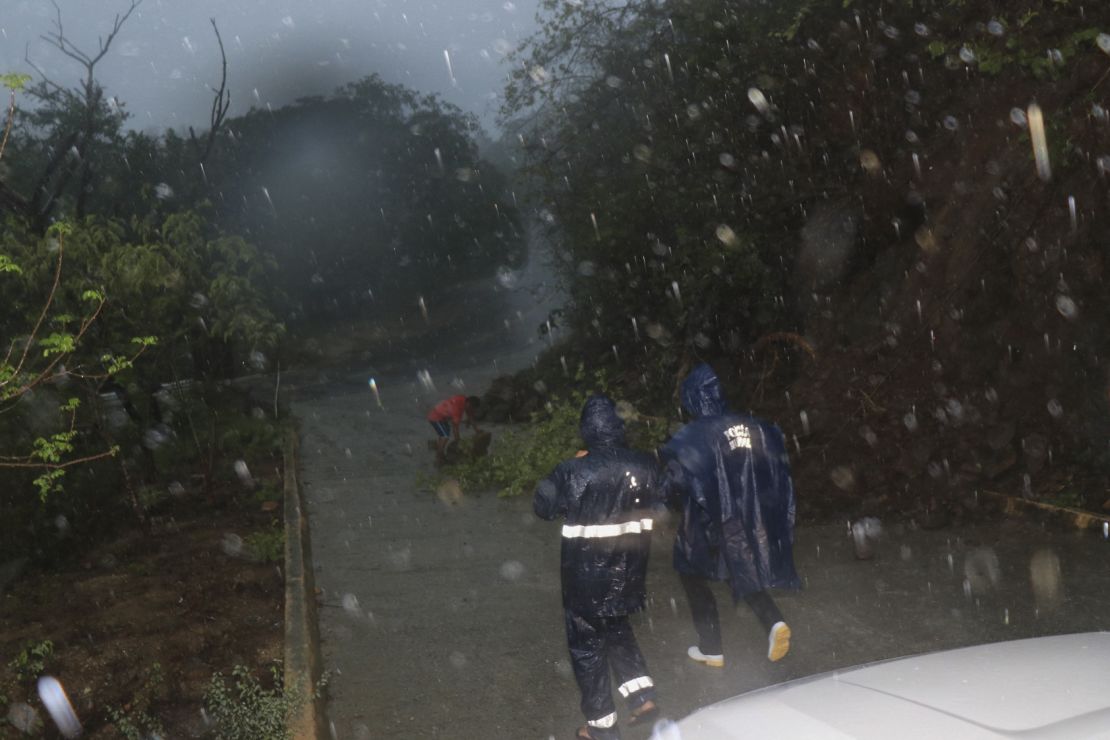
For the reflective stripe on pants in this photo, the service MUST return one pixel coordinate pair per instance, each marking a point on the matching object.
(596, 531)
(605, 722)
(595, 644)
(637, 684)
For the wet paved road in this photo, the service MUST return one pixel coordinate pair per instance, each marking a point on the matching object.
(441, 617)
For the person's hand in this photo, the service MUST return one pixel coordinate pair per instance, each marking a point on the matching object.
(581, 453)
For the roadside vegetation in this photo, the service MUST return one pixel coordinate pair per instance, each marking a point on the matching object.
(850, 210)
(524, 455)
(151, 286)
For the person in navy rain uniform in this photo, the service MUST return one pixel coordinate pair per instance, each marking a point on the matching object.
(605, 497)
(730, 475)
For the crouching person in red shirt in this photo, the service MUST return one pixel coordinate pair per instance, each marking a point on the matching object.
(446, 418)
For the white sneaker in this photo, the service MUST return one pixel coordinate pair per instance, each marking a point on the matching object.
(778, 642)
(713, 661)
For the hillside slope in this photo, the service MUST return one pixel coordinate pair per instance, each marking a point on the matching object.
(966, 347)
(865, 245)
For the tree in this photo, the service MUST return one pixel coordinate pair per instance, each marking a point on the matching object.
(669, 188)
(91, 296)
(371, 195)
(32, 361)
(77, 122)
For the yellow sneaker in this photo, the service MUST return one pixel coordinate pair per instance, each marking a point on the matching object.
(713, 661)
(778, 643)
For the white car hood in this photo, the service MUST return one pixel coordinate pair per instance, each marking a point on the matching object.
(1046, 687)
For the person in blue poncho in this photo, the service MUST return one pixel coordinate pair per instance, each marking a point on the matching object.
(605, 497)
(731, 476)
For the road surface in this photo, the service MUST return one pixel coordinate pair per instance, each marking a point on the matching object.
(441, 614)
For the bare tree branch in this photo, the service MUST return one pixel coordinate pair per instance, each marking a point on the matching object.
(28, 463)
(42, 316)
(59, 41)
(42, 74)
(8, 125)
(221, 102)
(87, 95)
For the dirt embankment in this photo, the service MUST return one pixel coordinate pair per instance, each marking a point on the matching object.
(135, 627)
(968, 346)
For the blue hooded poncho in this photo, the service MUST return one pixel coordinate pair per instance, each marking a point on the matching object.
(606, 499)
(732, 476)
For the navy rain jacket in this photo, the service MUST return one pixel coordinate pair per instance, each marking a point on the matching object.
(732, 475)
(606, 499)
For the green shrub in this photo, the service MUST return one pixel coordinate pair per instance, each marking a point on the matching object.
(25, 668)
(245, 710)
(270, 491)
(522, 457)
(30, 662)
(136, 724)
(267, 546)
(251, 437)
(135, 721)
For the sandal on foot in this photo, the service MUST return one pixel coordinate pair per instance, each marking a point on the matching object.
(778, 642)
(644, 713)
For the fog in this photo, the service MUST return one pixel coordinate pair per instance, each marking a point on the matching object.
(323, 406)
(165, 58)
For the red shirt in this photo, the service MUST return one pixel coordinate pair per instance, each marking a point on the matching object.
(451, 408)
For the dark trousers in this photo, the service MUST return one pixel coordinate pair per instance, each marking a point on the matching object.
(707, 622)
(596, 644)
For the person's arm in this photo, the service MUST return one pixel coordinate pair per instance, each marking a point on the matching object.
(673, 486)
(548, 501)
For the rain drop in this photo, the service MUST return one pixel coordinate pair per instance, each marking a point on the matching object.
(1067, 308)
(244, 473)
(57, 703)
(451, 72)
(1040, 143)
(232, 544)
(759, 100)
(512, 570)
(727, 236)
(350, 605)
(24, 718)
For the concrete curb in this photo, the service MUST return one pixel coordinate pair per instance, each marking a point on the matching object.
(302, 636)
(1076, 518)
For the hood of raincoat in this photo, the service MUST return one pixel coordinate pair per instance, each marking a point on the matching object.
(599, 425)
(701, 393)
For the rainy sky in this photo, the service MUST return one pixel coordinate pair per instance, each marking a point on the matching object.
(164, 60)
